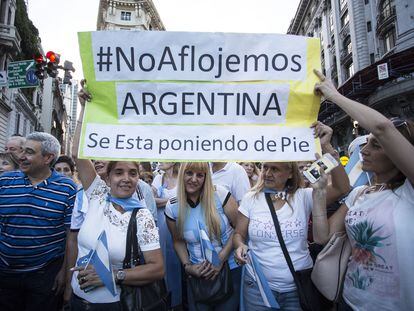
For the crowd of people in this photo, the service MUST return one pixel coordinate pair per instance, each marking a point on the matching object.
(199, 222)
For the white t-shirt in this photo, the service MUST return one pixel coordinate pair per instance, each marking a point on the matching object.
(380, 228)
(234, 178)
(263, 241)
(101, 215)
(162, 191)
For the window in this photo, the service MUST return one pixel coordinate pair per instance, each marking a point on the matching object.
(369, 27)
(387, 8)
(349, 71)
(372, 58)
(347, 44)
(125, 16)
(345, 19)
(17, 129)
(342, 4)
(366, 1)
(389, 40)
(331, 22)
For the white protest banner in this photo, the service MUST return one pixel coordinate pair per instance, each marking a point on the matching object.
(180, 96)
(204, 143)
(160, 55)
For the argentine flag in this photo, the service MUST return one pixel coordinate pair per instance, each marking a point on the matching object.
(207, 248)
(99, 258)
(357, 177)
(265, 292)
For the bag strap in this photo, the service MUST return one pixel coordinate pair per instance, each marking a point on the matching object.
(280, 237)
(133, 253)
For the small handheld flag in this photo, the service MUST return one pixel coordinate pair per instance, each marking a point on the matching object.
(99, 258)
(207, 248)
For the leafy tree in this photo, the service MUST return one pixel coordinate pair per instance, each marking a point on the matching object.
(28, 32)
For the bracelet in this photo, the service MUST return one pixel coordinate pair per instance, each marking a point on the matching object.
(324, 215)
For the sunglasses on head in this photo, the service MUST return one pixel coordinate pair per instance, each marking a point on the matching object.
(398, 122)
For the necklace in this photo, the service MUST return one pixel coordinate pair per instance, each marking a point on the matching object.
(376, 188)
(280, 195)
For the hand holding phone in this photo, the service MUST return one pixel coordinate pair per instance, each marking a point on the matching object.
(327, 163)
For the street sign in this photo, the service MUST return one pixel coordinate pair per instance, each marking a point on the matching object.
(3, 78)
(21, 74)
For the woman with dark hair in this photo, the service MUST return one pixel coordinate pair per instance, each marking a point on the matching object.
(64, 165)
(198, 201)
(281, 181)
(8, 162)
(378, 219)
(110, 206)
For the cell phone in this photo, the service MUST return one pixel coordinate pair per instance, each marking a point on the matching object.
(327, 162)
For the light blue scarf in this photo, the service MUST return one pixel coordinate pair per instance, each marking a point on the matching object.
(128, 204)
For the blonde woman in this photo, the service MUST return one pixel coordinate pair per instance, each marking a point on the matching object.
(252, 172)
(198, 201)
(293, 205)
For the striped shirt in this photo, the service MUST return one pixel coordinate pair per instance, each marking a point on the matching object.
(33, 220)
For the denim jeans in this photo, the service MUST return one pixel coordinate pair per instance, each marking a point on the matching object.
(79, 304)
(231, 304)
(30, 291)
(253, 301)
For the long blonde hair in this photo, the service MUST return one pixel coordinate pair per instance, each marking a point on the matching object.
(292, 184)
(207, 201)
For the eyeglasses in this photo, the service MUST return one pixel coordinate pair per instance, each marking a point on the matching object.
(398, 122)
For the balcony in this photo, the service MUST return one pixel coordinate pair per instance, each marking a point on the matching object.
(385, 19)
(346, 56)
(9, 36)
(344, 32)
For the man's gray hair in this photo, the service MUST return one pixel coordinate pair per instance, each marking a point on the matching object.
(20, 139)
(49, 144)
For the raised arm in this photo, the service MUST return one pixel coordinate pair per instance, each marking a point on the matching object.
(86, 171)
(340, 181)
(396, 146)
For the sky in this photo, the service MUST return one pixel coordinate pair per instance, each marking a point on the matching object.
(59, 21)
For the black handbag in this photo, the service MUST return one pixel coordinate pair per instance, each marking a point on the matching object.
(211, 292)
(149, 297)
(309, 297)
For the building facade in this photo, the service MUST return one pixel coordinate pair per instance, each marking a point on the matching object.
(359, 39)
(54, 117)
(128, 15)
(70, 102)
(19, 110)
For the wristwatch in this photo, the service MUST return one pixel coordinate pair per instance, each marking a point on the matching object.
(120, 276)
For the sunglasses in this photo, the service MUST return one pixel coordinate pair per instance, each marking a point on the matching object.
(398, 122)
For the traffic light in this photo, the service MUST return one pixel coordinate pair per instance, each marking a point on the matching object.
(53, 64)
(40, 66)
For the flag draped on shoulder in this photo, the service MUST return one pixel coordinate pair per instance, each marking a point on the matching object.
(207, 248)
(99, 258)
(357, 177)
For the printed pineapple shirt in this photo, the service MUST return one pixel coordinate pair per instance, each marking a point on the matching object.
(380, 228)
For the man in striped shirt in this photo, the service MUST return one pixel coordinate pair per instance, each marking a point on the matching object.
(35, 211)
